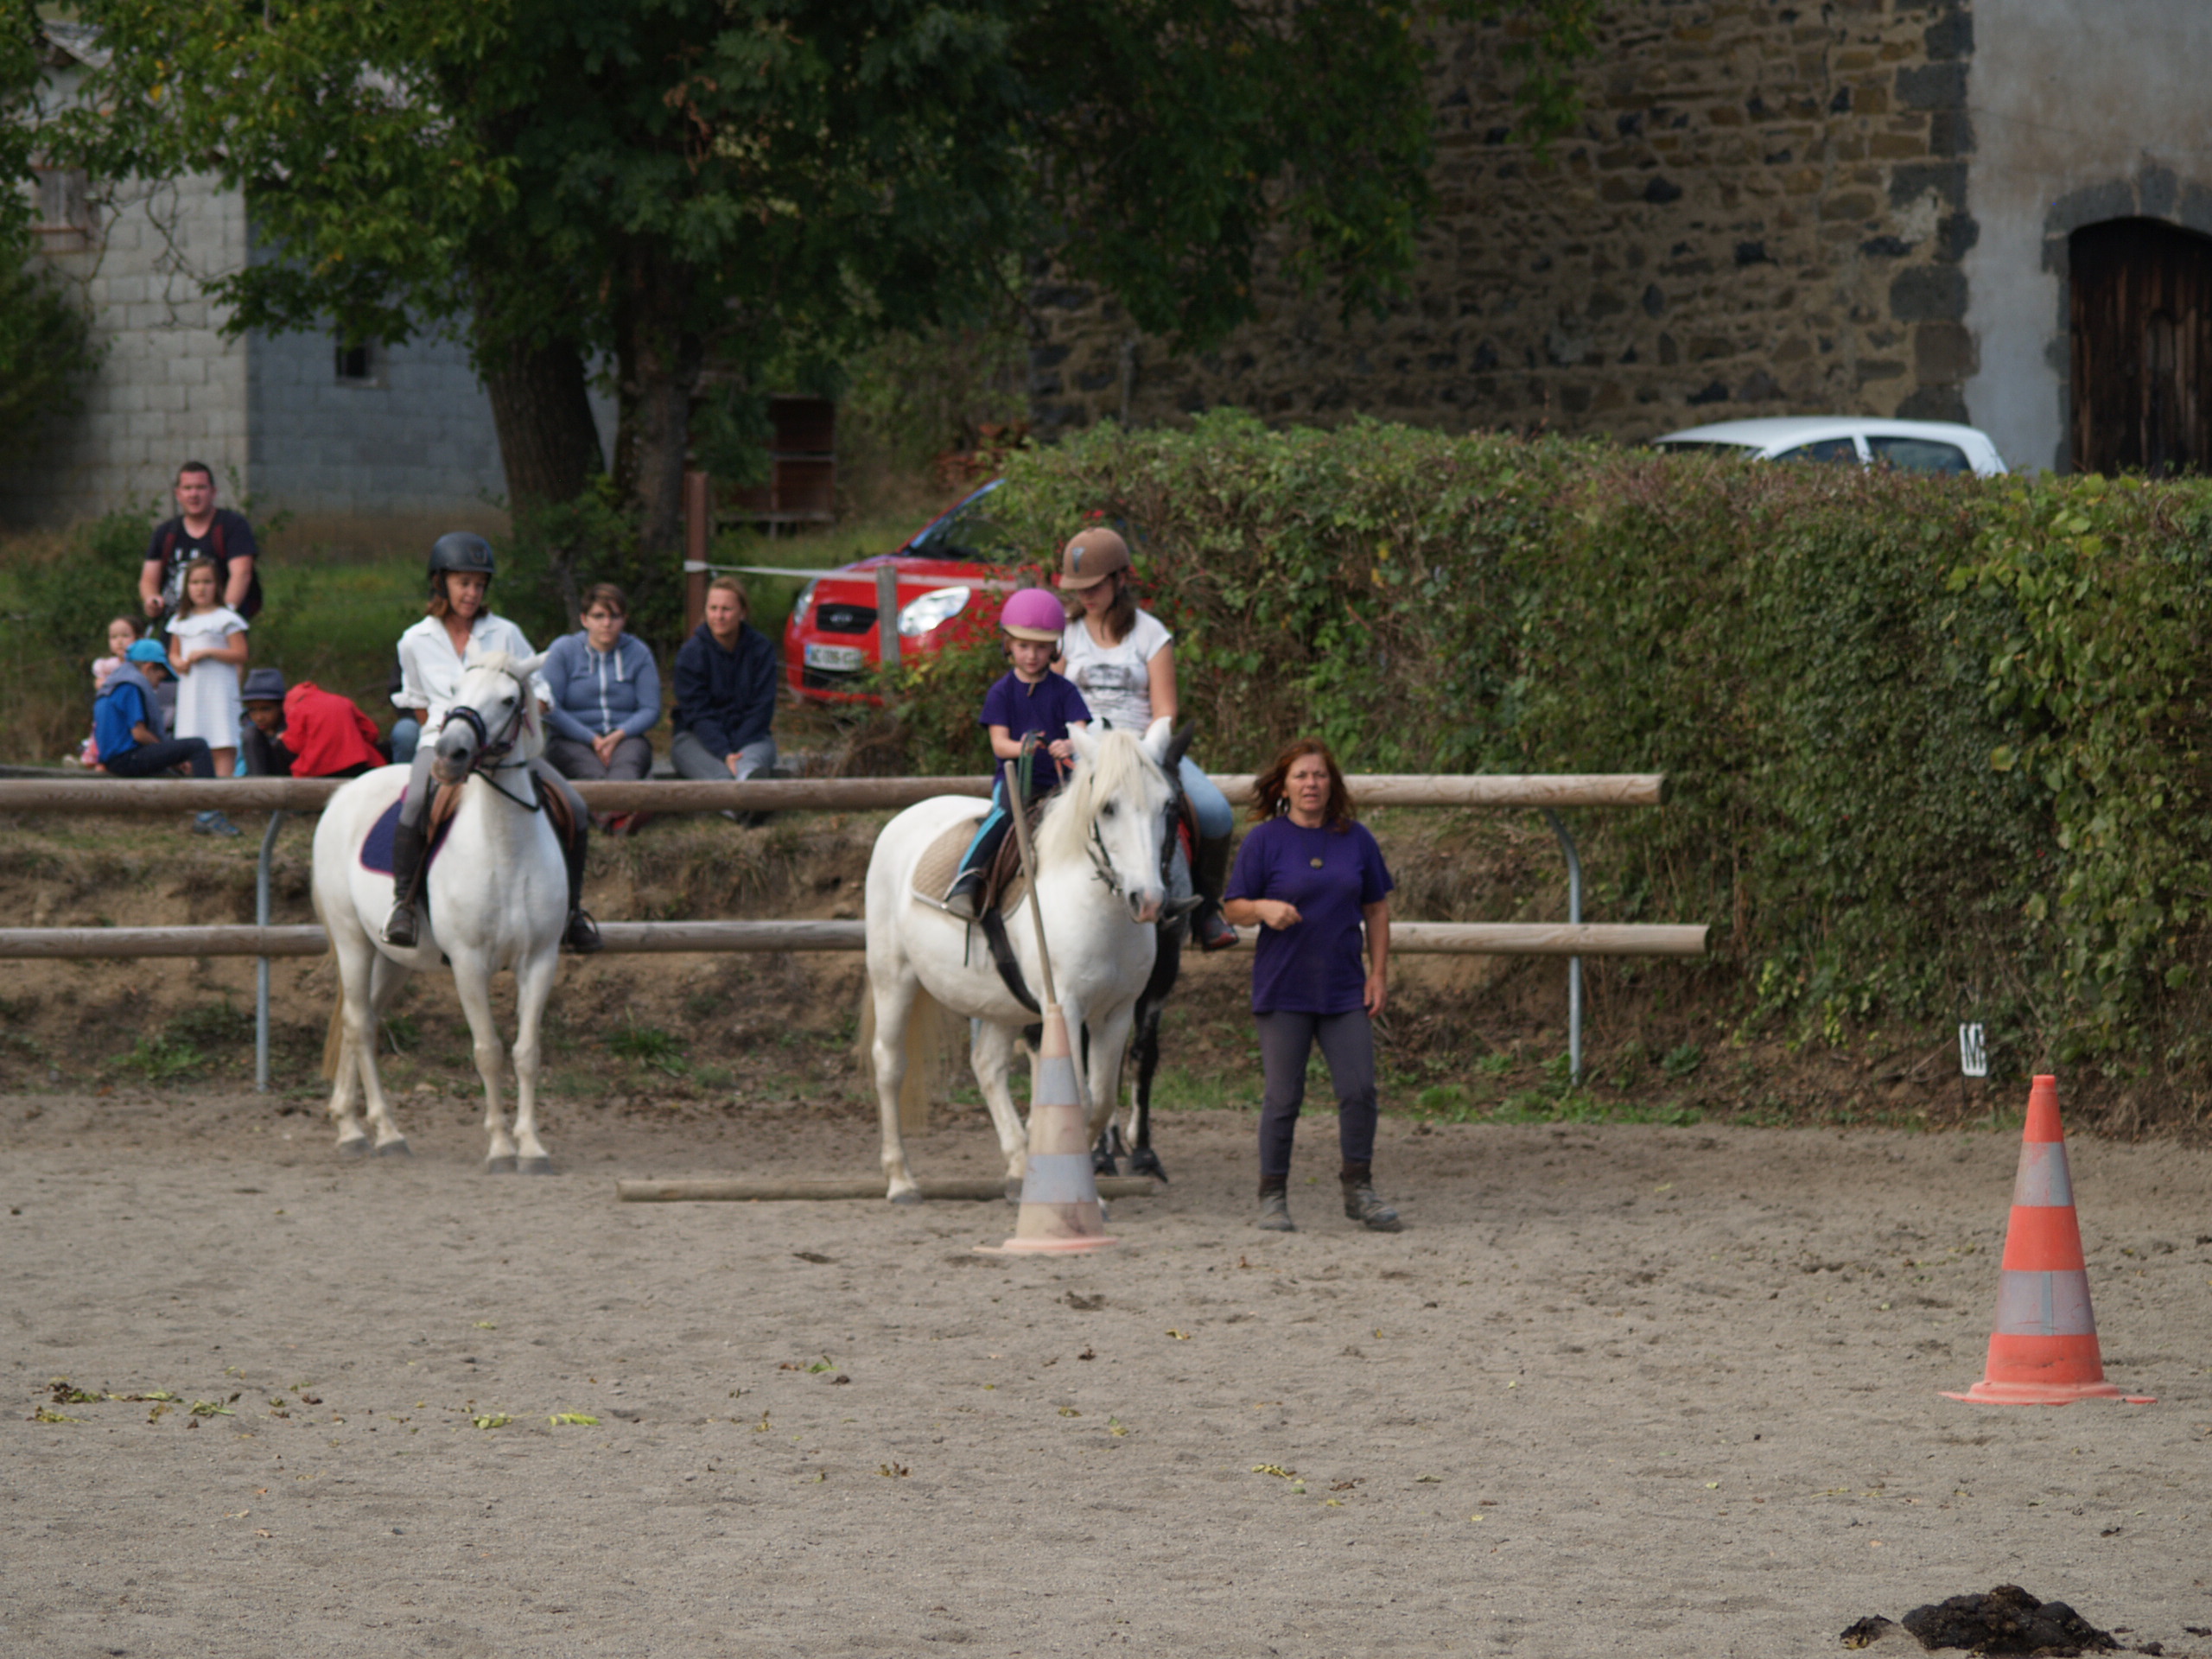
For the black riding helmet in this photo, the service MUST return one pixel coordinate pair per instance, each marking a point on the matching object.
(459, 551)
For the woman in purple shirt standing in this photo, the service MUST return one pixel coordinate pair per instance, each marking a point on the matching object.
(1309, 876)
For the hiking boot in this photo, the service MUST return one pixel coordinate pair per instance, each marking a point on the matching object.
(214, 823)
(1209, 875)
(582, 937)
(965, 897)
(399, 927)
(1275, 1213)
(1362, 1205)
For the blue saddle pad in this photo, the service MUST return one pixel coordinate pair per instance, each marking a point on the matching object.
(376, 850)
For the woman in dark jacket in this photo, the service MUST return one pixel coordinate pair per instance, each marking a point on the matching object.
(1311, 877)
(725, 693)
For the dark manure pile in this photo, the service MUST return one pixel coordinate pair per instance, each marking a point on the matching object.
(2008, 1620)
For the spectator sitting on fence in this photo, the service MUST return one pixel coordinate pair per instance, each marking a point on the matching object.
(122, 634)
(606, 691)
(306, 732)
(725, 693)
(200, 530)
(208, 648)
(126, 718)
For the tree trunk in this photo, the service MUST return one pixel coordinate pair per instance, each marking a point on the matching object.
(662, 358)
(548, 442)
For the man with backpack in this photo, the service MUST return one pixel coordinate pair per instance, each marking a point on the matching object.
(200, 530)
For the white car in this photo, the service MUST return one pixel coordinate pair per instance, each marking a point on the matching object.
(1909, 446)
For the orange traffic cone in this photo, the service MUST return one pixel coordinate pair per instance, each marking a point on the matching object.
(1060, 1212)
(2044, 1350)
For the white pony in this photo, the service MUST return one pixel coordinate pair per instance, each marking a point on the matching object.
(1101, 884)
(498, 898)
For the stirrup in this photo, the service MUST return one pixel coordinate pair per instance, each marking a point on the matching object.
(964, 898)
(399, 928)
(582, 934)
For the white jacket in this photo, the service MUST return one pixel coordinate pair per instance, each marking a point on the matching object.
(430, 669)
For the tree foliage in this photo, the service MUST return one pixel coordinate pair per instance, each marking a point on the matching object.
(719, 185)
(45, 349)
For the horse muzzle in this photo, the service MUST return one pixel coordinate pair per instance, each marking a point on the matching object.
(1144, 905)
(453, 756)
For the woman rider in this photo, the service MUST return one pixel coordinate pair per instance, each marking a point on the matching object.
(432, 658)
(1123, 659)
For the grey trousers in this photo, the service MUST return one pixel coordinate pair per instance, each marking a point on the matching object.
(693, 759)
(633, 759)
(1348, 1044)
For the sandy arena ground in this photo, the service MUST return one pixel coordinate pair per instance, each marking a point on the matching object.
(1620, 1390)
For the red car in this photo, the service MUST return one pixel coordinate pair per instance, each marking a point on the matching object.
(948, 584)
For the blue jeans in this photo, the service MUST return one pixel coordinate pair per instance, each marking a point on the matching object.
(1207, 802)
(406, 733)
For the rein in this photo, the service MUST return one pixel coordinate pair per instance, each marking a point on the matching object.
(490, 754)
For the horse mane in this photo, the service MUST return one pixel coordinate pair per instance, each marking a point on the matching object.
(504, 662)
(1121, 764)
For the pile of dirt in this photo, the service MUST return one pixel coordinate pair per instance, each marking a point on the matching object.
(2008, 1620)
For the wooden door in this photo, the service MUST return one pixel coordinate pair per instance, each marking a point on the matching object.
(2142, 347)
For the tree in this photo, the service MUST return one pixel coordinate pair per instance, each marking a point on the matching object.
(45, 349)
(687, 182)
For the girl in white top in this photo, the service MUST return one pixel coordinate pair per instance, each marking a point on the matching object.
(1123, 659)
(207, 647)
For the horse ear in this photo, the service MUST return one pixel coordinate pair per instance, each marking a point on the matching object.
(1154, 739)
(529, 666)
(1086, 744)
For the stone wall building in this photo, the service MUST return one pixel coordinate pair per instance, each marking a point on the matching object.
(1869, 207)
(359, 441)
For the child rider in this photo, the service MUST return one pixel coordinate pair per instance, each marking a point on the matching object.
(1031, 709)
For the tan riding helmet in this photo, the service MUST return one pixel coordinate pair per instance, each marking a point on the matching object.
(1092, 556)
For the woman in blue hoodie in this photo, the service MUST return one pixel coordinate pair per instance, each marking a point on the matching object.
(606, 694)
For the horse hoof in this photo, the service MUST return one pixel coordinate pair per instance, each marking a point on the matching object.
(505, 1166)
(540, 1165)
(1147, 1162)
(1102, 1163)
(395, 1148)
(912, 1195)
(357, 1147)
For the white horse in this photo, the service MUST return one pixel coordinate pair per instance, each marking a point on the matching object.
(1099, 880)
(498, 898)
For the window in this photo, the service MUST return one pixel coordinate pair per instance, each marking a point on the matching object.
(65, 210)
(1921, 456)
(1834, 451)
(358, 365)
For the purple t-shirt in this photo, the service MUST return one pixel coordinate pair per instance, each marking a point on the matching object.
(1044, 708)
(1328, 874)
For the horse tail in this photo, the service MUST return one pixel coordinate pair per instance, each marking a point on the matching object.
(930, 1031)
(333, 1041)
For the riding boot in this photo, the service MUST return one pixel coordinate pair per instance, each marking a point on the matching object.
(1274, 1205)
(1361, 1203)
(964, 898)
(582, 935)
(408, 844)
(1210, 876)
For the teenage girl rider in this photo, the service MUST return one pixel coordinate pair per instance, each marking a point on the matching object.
(1122, 660)
(431, 659)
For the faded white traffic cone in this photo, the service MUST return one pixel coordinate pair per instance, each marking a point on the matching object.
(1060, 1212)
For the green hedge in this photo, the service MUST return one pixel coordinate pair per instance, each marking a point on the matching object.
(1936, 743)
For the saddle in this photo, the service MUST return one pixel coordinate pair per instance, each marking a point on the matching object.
(376, 847)
(1005, 886)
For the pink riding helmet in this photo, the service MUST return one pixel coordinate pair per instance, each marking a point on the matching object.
(1033, 613)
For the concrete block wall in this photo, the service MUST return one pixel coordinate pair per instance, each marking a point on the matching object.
(1763, 212)
(417, 438)
(168, 386)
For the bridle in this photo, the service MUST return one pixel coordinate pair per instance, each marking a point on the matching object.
(491, 753)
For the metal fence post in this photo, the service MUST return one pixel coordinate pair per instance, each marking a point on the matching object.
(1574, 964)
(260, 963)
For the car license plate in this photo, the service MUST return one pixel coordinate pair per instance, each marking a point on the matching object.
(842, 659)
